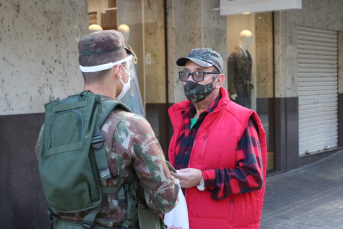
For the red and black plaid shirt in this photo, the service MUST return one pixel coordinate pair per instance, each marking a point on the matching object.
(247, 176)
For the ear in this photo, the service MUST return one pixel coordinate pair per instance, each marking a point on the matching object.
(220, 80)
(117, 71)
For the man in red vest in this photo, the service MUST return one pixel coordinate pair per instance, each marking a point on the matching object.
(218, 147)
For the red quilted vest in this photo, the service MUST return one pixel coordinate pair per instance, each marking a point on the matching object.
(214, 148)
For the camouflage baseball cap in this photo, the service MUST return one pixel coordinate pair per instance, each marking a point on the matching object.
(102, 42)
(203, 57)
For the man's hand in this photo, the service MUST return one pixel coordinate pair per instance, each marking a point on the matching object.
(188, 177)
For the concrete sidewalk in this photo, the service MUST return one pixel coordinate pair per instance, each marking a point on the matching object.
(309, 197)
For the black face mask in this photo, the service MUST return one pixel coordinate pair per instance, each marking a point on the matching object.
(196, 92)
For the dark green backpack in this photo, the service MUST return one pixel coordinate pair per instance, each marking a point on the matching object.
(72, 159)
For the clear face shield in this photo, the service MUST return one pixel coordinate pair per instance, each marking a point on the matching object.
(132, 98)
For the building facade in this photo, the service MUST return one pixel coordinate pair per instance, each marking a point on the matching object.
(295, 69)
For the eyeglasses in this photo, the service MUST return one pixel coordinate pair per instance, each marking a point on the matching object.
(197, 76)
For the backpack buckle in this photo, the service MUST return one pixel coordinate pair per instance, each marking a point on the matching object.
(126, 187)
(97, 141)
(51, 218)
(87, 225)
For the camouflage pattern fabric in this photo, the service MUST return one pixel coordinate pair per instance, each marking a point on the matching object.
(196, 92)
(102, 42)
(203, 57)
(132, 148)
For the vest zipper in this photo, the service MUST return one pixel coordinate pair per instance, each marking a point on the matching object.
(231, 201)
(203, 148)
(195, 141)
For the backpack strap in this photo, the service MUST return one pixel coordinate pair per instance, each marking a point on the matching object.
(129, 193)
(98, 140)
(97, 144)
(89, 218)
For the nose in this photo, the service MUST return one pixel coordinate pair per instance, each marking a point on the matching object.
(190, 78)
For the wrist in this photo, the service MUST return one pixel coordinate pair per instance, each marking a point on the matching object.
(201, 185)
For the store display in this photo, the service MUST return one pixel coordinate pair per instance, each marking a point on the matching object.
(94, 28)
(125, 30)
(239, 71)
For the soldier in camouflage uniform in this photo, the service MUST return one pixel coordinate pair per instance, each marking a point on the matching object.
(130, 143)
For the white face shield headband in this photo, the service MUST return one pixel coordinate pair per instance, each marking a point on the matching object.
(102, 67)
(126, 86)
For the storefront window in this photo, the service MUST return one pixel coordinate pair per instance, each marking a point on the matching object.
(248, 55)
(142, 24)
(250, 68)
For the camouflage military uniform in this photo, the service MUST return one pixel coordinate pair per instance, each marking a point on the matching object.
(132, 148)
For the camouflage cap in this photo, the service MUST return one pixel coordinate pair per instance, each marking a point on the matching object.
(203, 57)
(102, 42)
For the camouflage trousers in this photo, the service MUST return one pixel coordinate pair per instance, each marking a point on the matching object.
(64, 224)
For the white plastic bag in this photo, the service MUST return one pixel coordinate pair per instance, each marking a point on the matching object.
(178, 217)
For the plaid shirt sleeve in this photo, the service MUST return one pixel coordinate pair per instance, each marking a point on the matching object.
(247, 176)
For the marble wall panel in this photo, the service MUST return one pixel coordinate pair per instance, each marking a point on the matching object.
(291, 52)
(279, 75)
(39, 57)
(170, 47)
(264, 55)
(214, 30)
(314, 13)
(154, 51)
(184, 34)
(191, 24)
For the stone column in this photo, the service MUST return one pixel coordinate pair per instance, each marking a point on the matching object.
(192, 24)
(38, 62)
(154, 41)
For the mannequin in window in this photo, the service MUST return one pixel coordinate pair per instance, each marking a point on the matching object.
(239, 71)
(94, 28)
(125, 30)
